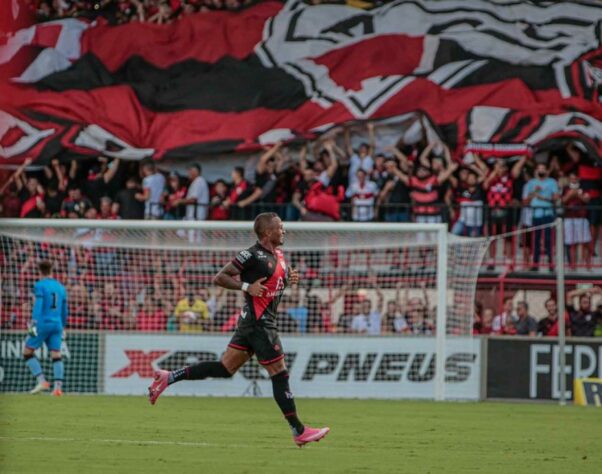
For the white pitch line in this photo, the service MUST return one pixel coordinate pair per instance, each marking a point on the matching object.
(200, 444)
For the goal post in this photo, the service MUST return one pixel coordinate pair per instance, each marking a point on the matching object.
(383, 310)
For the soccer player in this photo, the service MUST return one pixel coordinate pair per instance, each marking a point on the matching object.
(47, 327)
(263, 277)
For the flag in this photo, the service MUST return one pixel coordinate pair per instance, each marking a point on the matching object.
(494, 77)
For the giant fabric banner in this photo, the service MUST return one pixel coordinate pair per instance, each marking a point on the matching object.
(489, 74)
(334, 367)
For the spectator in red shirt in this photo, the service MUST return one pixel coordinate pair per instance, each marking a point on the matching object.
(10, 204)
(576, 225)
(79, 306)
(424, 188)
(499, 186)
(548, 326)
(218, 209)
(241, 189)
(107, 210)
(17, 317)
(313, 199)
(151, 317)
(31, 195)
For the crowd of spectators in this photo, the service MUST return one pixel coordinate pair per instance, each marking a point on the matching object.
(581, 317)
(329, 180)
(175, 302)
(150, 11)
(124, 11)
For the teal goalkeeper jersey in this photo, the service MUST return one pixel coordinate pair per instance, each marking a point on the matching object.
(50, 307)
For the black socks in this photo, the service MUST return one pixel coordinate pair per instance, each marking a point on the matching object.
(285, 400)
(282, 393)
(200, 371)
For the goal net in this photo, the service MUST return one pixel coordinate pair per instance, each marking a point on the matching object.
(381, 311)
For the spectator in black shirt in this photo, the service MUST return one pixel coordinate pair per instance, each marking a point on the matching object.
(395, 195)
(57, 176)
(75, 203)
(53, 200)
(265, 180)
(525, 325)
(99, 177)
(583, 318)
(30, 192)
(129, 206)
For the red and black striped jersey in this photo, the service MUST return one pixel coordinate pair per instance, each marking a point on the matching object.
(258, 262)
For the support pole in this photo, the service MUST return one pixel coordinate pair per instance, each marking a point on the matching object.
(561, 308)
(441, 333)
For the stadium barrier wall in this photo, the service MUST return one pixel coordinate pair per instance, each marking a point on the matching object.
(80, 353)
(512, 367)
(319, 366)
(528, 368)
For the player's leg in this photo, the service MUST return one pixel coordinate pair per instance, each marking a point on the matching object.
(53, 342)
(266, 344)
(32, 343)
(233, 359)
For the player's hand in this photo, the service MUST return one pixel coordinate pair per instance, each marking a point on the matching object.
(256, 288)
(32, 329)
(293, 275)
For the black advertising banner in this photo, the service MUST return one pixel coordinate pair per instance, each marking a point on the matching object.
(530, 369)
(79, 352)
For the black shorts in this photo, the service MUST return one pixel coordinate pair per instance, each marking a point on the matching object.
(501, 220)
(258, 339)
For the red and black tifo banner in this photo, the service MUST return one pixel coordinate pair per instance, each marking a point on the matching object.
(501, 76)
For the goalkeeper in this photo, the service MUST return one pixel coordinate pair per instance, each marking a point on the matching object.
(48, 321)
(263, 278)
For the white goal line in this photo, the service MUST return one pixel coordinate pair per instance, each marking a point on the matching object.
(198, 444)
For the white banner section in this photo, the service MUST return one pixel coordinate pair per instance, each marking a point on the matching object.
(333, 367)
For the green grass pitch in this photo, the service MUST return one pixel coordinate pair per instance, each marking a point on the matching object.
(89, 434)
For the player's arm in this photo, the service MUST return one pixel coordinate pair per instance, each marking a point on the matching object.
(446, 173)
(64, 310)
(334, 164)
(226, 279)
(423, 159)
(38, 305)
(251, 199)
(111, 171)
(518, 167)
(143, 196)
(261, 165)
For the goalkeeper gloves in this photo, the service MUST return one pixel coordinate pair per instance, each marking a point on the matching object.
(32, 329)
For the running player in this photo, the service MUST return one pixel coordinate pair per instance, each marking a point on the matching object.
(49, 319)
(263, 277)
